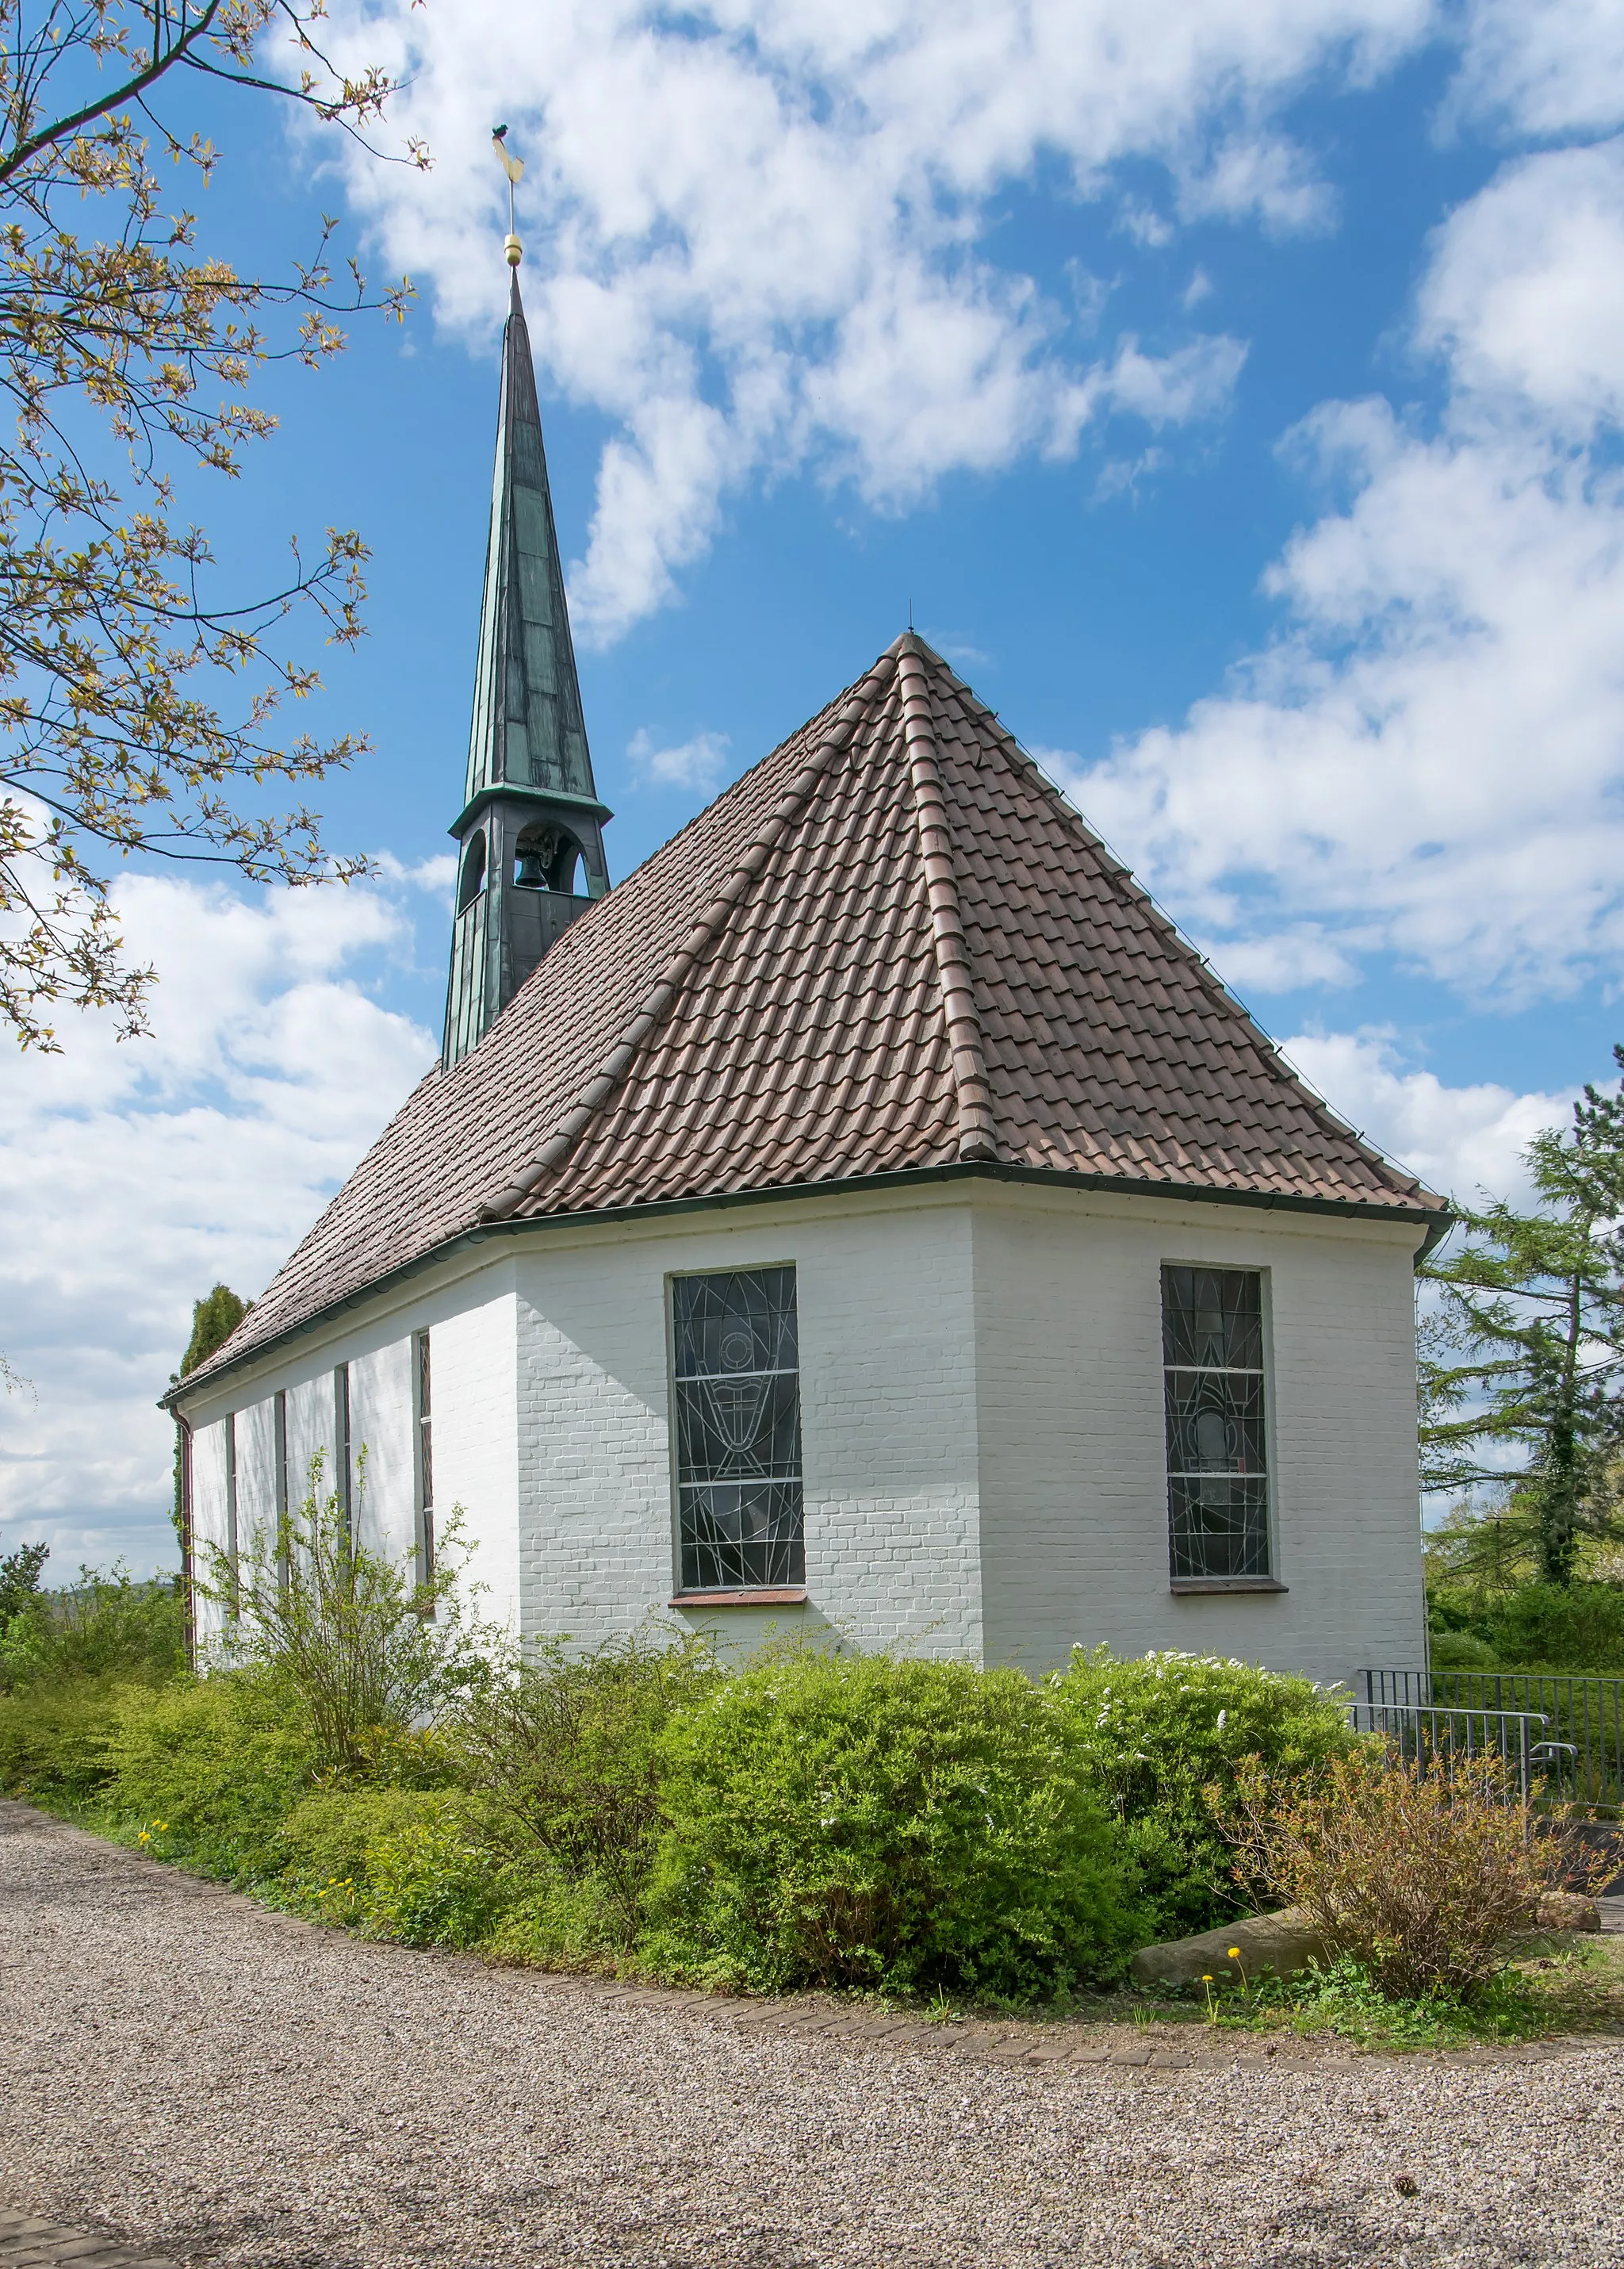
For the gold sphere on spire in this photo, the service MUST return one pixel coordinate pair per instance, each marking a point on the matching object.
(514, 250)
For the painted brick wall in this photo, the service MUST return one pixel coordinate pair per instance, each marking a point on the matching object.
(1074, 1503)
(888, 1423)
(982, 1425)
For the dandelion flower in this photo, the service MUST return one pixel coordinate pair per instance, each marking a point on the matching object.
(1207, 1977)
(1234, 1952)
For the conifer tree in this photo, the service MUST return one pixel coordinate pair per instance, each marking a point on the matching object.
(1523, 1363)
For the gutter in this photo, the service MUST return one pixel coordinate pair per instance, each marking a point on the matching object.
(724, 1200)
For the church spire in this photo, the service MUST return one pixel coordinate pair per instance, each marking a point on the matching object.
(531, 818)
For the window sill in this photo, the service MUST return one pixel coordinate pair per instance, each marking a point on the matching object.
(792, 1595)
(1182, 1586)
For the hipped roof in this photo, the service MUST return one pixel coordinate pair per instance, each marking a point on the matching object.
(891, 946)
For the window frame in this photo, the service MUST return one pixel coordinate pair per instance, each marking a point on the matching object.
(232, 1556)
(793, 1591)
(343, 1467)
(1271, 1581)
(422, 1359)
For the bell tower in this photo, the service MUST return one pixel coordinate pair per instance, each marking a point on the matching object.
(529, 836)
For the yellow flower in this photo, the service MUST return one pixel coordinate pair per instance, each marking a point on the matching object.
(1234, 1952)
(144, 1837)
(1207, 1977)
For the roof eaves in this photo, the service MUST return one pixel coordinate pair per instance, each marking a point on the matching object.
(1440, 1220)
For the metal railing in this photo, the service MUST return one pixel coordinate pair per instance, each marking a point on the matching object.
(1433, 1733)
(1576, 1753)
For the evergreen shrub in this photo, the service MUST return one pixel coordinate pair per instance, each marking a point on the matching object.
(1162, 1739)
(568, 1748)
(1561, 1627)
(54, 1740)
(860, 1821)
(222, 1760)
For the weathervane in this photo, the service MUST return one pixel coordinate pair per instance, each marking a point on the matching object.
(514, 167)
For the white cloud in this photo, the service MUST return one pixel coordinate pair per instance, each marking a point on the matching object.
(134, 1177)
(761, 233)
(1461, 1140)
(1429, 762)
(700, 764)
(1542, 67)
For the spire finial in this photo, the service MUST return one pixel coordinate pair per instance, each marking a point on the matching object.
(514, 167)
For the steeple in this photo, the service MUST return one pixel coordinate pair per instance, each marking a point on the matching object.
(530, 831)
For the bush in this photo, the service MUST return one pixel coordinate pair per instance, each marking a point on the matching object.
(328, 1834)
(1162, 1739)
(1418, 1875)
(106, 1627)
(1462, 1650)
(54, 1741)
(434, 1882)
(365, 1651)
(222, 1760)
(568, 1747)
(861, 1821)
(1561, 1627)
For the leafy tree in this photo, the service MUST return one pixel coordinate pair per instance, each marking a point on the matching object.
(214, 1319)
(1521, 1365)
(19, 1580)
(139, 698)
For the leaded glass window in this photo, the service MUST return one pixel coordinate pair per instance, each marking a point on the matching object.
(738, 1430)
(1217, 1454)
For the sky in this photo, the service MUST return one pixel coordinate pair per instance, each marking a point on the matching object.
(1230, 389)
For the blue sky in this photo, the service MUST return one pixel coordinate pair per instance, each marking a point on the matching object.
(1232, 391)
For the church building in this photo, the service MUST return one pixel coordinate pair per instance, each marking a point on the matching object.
(870, 1220)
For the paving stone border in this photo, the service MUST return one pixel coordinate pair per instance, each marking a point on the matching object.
(28, 2242)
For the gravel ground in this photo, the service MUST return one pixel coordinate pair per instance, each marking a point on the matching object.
(185, 2071)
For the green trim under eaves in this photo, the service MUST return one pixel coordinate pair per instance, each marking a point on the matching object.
(908, 1177)
(522, 792)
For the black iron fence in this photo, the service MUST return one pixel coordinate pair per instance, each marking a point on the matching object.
(1564, 1733)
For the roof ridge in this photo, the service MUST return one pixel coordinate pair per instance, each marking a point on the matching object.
(978, 1130)
(656, 1003)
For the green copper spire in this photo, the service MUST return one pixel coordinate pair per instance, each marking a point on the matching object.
(530, 817)
(528, 723)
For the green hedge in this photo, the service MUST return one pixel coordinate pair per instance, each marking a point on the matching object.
(855, 1820)
(1161, 1739)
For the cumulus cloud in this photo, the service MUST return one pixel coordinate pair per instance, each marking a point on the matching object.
(134, 1177)
(761, 234)
(1465, 1141)
(698, 764)
(1429, 762)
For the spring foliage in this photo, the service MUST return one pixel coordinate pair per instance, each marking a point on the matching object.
(862, 1821)
(1164, 1737)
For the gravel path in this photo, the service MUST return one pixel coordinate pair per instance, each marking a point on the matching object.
(185, 2072)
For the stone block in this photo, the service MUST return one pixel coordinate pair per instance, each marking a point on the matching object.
(1284, 1942)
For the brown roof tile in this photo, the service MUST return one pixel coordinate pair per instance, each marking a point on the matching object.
(890, 945)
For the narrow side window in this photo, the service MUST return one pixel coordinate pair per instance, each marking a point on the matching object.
(736, 1394)
(279, 1467)
(423, 1454)
(342, 1477)
(1217, 1454)
(232, 1562)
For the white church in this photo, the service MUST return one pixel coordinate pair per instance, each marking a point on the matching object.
(869, 1220)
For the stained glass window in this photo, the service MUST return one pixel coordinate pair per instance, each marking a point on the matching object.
(1217, 1452)
(738, 1430)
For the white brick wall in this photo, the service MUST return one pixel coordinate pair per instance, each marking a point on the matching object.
(888, 1424)
(981, 1419)
(1074, 1496)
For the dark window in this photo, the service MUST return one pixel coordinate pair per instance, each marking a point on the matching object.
(423, 1453)
(279, 1431)
(343, 1468)
(231, 1505)
(1217, 1454)
(473, 871)
(738, 1430)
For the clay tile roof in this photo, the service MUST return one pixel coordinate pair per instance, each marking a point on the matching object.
(891, 945)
